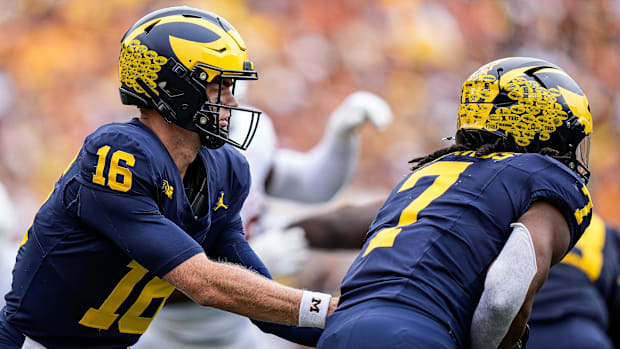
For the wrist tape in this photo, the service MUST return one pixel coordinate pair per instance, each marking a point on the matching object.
(313, 309)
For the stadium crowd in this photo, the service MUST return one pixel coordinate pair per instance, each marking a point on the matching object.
(55, 68)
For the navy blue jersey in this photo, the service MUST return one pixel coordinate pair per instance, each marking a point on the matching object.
(88, 272)
(434, 238)
(584, 284)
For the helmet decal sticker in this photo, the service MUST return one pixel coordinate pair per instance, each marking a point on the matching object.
(530, 107)
(136, 60)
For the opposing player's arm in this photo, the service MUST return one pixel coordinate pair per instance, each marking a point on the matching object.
(539, 240)
(344, 227)
(317, 175)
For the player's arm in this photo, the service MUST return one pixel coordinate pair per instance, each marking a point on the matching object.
(344, 227)
(236, 289)
(317, 175)
(233, 248)
(539, 240)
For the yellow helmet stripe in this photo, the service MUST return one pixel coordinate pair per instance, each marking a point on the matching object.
(578, 104)
(189, 53)
(182, 19)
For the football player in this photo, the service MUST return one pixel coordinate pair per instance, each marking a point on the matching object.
(312, 177)
(574, 307)
(462, 244)
(148, 205)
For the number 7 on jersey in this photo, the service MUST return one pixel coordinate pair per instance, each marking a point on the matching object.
(447, 173)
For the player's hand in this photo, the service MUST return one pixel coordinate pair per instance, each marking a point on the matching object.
(284, 251)
(356, 109)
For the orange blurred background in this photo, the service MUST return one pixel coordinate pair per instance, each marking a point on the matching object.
(58, 74)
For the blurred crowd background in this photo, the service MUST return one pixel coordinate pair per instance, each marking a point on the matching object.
(58, 75)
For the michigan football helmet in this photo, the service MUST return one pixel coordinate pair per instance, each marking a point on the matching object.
(534, 102)
(167, 59)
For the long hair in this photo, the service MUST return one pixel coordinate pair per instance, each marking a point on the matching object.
(483, 143)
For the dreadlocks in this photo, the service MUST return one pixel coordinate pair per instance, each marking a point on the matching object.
(482, 142)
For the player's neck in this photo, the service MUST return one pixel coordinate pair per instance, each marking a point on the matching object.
(182, 144)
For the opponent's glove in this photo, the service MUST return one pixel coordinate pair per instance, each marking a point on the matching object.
(356, 109)
(284, 251)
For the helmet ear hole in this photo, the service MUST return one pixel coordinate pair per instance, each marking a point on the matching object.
(171, 91)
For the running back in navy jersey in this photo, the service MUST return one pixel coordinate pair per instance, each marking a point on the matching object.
(584, 283)
(94, 274)
(434, 238)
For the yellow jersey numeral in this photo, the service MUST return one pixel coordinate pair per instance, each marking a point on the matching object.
(115, 169)
(447, 173)
(131, 322)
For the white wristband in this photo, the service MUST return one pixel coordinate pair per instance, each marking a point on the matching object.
(313, 309)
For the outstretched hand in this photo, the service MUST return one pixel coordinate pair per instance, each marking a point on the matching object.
(356, 109)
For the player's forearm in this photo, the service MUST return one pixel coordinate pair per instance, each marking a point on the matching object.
(236, 289)
(517, 328)
(508, 282)
(241, 291)
(317, 175)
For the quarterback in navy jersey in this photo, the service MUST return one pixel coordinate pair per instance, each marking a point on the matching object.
(458, 250)
(575, 307)
(145, 202)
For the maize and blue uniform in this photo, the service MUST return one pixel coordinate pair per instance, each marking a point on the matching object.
(421, 271)
(88, 273)
(571, 310)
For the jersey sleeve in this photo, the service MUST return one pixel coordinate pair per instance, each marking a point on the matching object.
(136, 226)
(563, 189)
(115, 161)
(117, 198)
